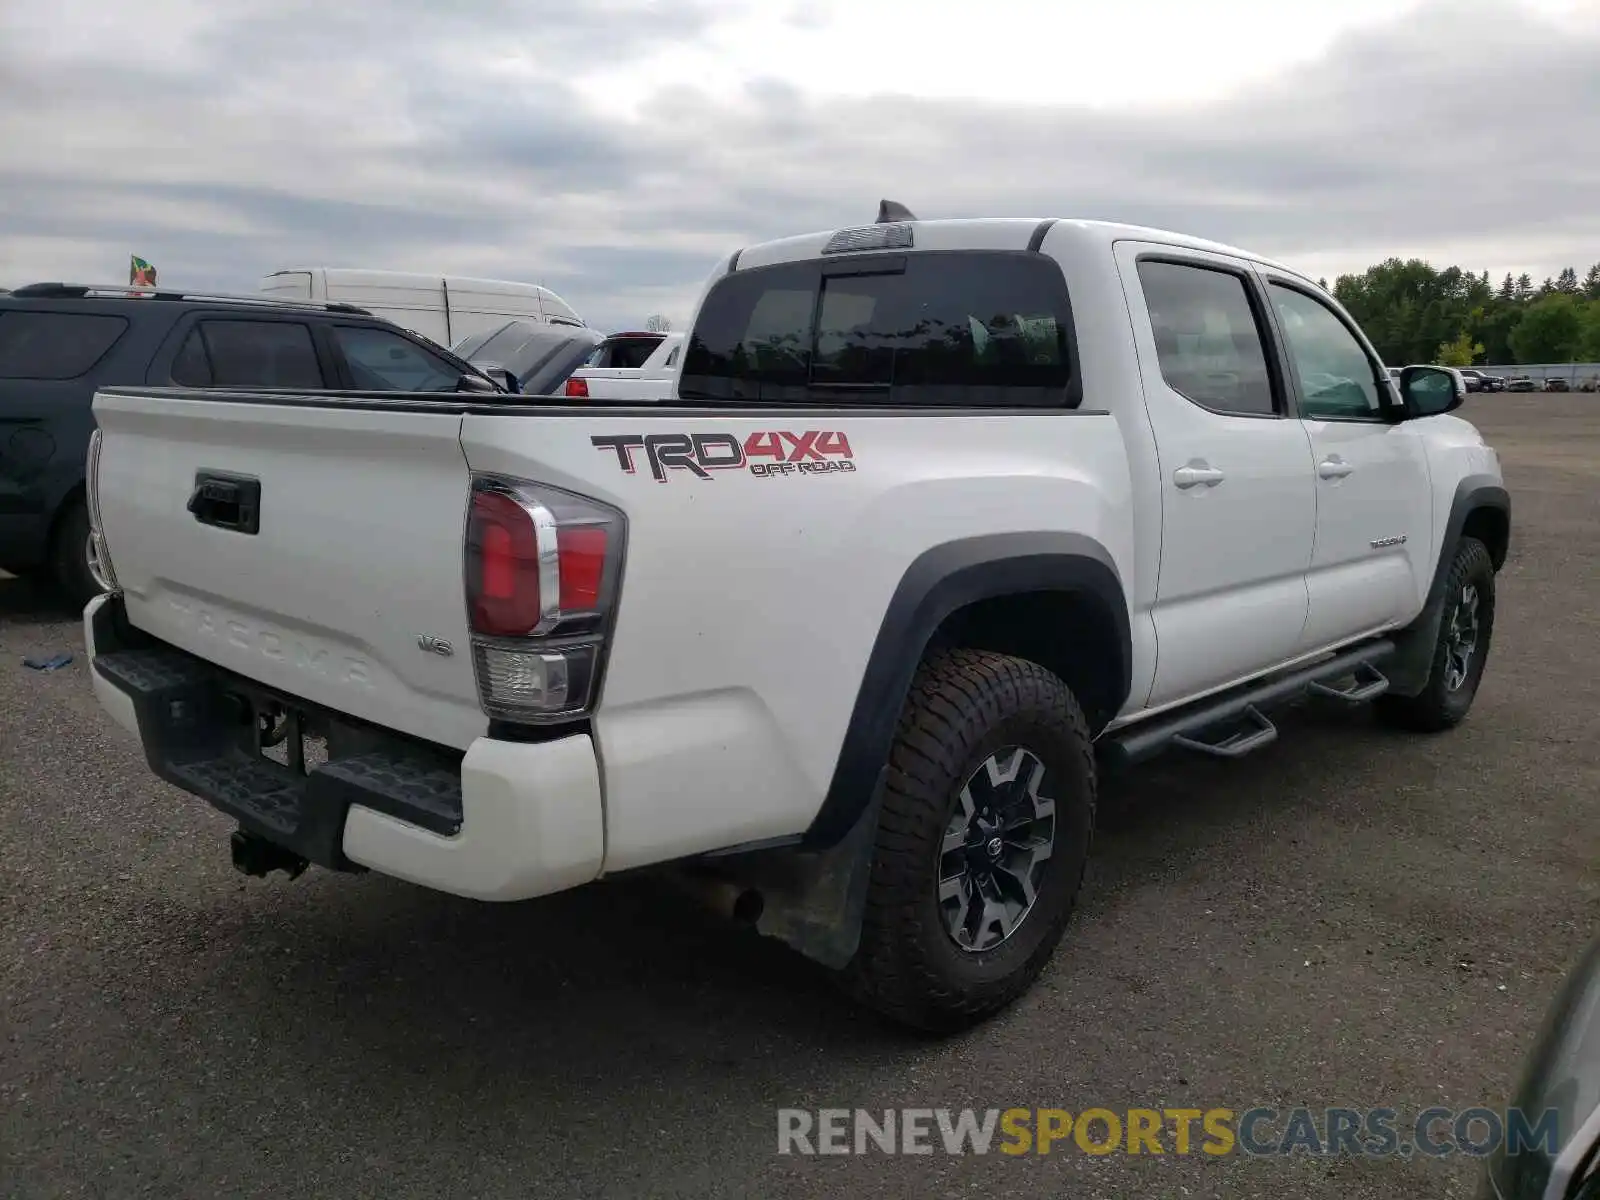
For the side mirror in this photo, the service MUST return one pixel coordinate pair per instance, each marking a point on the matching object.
(1430, 391)
(471, 381)
(501, 376)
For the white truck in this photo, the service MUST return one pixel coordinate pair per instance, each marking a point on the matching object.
(944, 517)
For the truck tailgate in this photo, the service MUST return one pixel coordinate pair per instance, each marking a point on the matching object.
(350, 593)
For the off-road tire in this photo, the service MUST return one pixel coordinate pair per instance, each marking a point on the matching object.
(964, 705)
(1439, 707)
(69, 559)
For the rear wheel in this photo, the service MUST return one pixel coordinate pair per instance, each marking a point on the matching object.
(1460, 652)
(72, 554)
(984, 831)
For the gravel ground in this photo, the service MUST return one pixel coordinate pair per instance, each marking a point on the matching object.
(1348, 918)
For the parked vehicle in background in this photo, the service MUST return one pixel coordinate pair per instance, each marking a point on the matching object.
(1560, 1075)
(1521, 383)
(442, 308)
(838, 633)
(536, 359)
(1493, 383)
(1557, 383)
(629, 366)
(1474, 379)
(60, 342)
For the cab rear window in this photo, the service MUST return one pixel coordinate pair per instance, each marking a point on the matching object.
(55, 345)
(936, 328)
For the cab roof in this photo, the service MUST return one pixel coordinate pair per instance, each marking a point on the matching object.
(992, 233)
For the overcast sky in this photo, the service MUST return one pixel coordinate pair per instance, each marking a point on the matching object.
(613, 149)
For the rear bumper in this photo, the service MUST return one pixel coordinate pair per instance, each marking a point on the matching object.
(504, 821)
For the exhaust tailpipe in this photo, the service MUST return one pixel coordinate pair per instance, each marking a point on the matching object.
(729, 900)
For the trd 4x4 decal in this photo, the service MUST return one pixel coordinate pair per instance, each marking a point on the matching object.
(765, 454)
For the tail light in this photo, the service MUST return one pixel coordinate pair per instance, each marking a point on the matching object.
(99, 556)
(543, 567)
(577, 387)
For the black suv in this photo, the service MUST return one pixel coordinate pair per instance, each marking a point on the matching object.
(59, 342)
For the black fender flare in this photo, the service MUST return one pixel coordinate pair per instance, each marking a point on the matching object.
(939, 582)
(1414, 645)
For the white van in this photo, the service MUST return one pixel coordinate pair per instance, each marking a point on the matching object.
(442, 308)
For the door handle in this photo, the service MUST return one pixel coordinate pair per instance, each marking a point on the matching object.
(1333, 468)
(1195, 474)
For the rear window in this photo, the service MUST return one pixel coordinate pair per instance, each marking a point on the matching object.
(55, 345)
(967, 328)
(630, 352)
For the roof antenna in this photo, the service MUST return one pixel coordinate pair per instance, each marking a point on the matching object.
(890, 210)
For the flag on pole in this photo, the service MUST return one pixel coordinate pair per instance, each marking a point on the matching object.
(140, 273)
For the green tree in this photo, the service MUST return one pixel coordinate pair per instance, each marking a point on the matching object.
(1524, 287)
(1567, 282)
(1508, 289)
(1409, 309)
(1588, 349)
(1458, 353)
(1549, 331)
(1591, 283)
(1495, 332)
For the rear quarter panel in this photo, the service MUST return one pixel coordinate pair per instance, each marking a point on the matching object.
(751, 601)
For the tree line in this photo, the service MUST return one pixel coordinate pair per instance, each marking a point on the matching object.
(1415, 314)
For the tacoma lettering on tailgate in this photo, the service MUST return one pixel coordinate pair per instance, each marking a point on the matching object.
(272, 645)
(765, 454)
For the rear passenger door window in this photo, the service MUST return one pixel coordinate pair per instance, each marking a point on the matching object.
(380, 360)
(222, 352)
(1208, 338)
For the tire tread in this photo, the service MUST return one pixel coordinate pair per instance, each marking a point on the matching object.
(955, 697)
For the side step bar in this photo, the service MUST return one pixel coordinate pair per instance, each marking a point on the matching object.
(1232, 725)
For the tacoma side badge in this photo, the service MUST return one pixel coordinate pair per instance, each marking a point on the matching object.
(435, 645)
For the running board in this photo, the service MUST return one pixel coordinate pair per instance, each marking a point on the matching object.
(1366, 683)
(1237, 715)
(1249, 731)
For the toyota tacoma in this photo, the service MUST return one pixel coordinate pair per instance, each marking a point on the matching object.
(941, 520)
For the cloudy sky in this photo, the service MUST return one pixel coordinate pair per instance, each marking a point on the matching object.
(613, 149)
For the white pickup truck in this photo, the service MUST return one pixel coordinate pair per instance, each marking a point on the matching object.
(943, 518)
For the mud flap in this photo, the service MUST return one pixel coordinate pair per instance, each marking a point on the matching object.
(813, 901)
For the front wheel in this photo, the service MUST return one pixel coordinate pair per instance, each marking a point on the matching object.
(1461, 651)
(983, 834)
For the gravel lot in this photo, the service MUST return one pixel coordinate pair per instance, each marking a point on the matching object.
(1348, 918)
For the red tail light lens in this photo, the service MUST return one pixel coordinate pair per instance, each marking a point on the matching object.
(502, 566)
(577, 387)
(581, 553)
